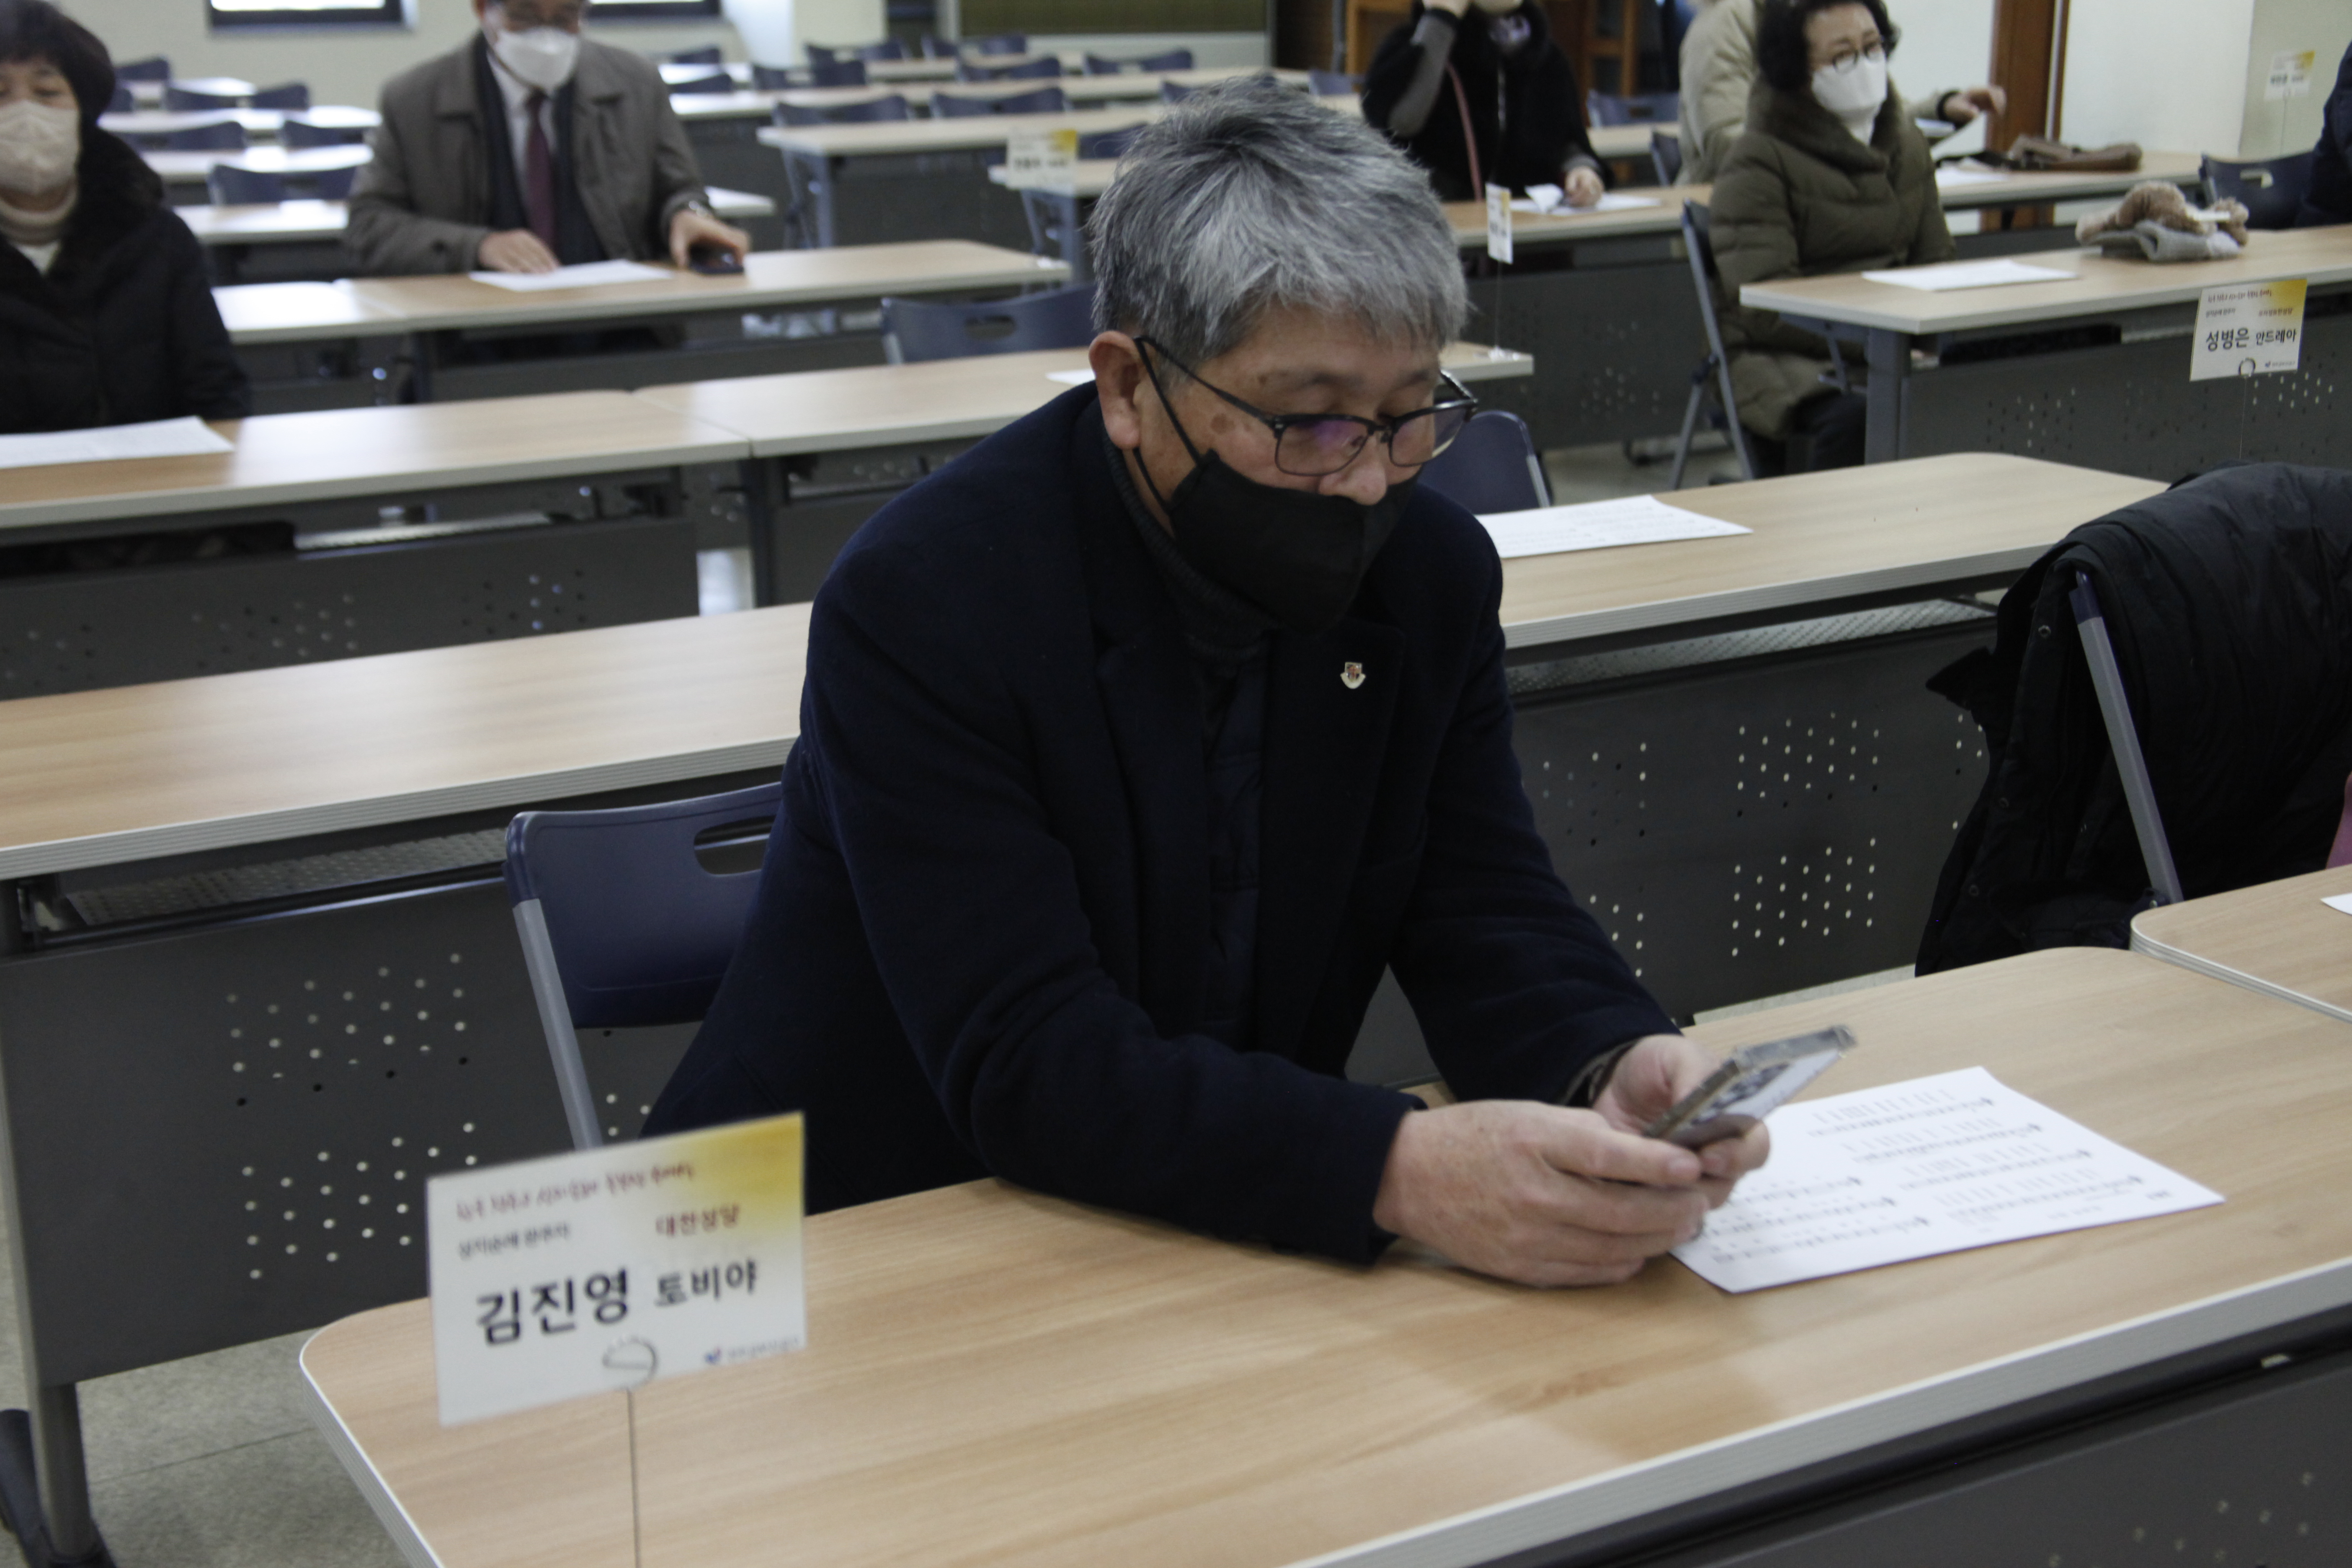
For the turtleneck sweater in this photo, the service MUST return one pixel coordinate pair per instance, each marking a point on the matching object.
(37, 234)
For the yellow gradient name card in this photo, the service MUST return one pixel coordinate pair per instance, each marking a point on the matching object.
(2248, 329)
(609, 1269)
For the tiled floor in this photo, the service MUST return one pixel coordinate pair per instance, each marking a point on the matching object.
(212, 1463)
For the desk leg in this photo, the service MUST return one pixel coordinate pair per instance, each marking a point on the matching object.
(1890, 367)
(420, 367)
(764, 484)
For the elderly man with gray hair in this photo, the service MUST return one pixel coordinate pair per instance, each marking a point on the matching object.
(1140, 739)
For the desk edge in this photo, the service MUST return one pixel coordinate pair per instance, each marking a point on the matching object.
(2141, 942)
(364, 1477)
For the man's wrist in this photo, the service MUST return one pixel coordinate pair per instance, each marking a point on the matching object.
(1587, 1087)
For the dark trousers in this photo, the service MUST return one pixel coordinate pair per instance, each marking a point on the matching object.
(1826, 432)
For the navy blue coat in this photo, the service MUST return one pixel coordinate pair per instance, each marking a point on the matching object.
(976, 946)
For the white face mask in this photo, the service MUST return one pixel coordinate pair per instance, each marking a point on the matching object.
(38, 145)
(542, 57)
(1853, 96)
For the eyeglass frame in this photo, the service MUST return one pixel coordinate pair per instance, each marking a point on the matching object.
(1844, 63)
(1385, 429)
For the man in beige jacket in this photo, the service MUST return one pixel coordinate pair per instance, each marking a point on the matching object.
(527, 149)
(1718, 69)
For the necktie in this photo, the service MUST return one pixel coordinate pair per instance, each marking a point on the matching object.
(538, 174)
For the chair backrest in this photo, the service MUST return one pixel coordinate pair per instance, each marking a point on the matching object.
(1041, 69)
(709, 55)
(178, 99)
(154, 67)
(2272, 188)
(1635, 108)
(121, 103)
(838, 73)
(333, 184)
(937, 48)
(887, 49)
(621, 925)
(771, 79)
(1044, 101)
(296, 132)
(1172, 60)
(293, 95)
(1175, 91)
(1491, 467)
(717, 82)
(1001, 44)
(1332, 84)
(1097, 66)
(947, 106)
(1665, 154)
(818, 54)
(234, 187)
(891, 107)
(2122, 739)
(220, 136)
(918, 329)
(1108, 143)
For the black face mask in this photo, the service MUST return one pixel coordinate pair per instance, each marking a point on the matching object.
(1297, 555)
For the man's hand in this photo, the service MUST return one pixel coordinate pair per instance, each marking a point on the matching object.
(1538, 1193)
(1451, 7)
(1649, 1078)
(1583, 186)
(515, 250)
(688, 228)
(1961, 107)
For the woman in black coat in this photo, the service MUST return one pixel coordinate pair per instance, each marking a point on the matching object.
(1492, 65)
(106, 316)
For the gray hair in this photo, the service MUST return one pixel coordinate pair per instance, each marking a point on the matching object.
(1247, 198)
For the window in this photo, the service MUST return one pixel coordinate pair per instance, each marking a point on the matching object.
(306, 13)
(650, 10)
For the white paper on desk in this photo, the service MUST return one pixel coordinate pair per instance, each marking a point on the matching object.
(1947, 177)
(1599, 525)
(1071, 377)
(156, 438)
(1937, 1165)
(1553, 200)
(587, 275)
(1950, 275)
(2340, 901)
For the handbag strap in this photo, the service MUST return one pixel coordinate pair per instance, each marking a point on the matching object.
(1469, 137)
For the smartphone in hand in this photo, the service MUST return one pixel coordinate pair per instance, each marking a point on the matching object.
(1749, 1085)
(713, 261)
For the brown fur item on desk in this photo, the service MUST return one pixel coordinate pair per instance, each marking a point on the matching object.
(2155, 201)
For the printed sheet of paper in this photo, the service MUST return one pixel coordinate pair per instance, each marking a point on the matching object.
(1553, 201)
(1950, 275)
(1600, 525)
(608, 1268)
(1071, 377)
(2342, 902)
(185, 438)
(588, 275)
(1949, 178)
(1937, 1165)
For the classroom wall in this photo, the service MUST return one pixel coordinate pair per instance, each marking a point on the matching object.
(2167, 74)
(1946, 43)
(2272, 126)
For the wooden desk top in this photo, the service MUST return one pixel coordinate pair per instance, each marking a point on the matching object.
(2277, 939)
(1925, 523)
(269, 122)
(2008, 189)
(993, 1376)
(191, 168)
(299, 312)
(305, 219)
(770, 279)
(940, 400)
(97, 778)
(2099, 285)
(326, 454)
(1096, 89)
(974, 134)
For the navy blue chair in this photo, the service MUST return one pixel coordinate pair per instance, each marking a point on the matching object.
(1332, 84)
(1040, 68)
(1491, 467)
(937, 48)
(292, 95)
(220, 136)
(1175, 91)
(893, 106)
(917, 330)
(621, 925)
(1174, 60)
(709, 55)
(154, 67)
(297, 132)
(178, 99)
(234, 187)
(1665, 154)
(2272, 188)
(717, 82)
(1638, 109)
(1001, 44)
(1097, 66)
(887, 49)
(1044, 101)
(773, 78)
(121, 103)
(838, 73)
(947, 106)
(818, 54)
(1108, 143)
(331, 184)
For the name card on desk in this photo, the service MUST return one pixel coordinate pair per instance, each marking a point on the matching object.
(1498, 223)
(608, 1268)
(2248, 329)
(1046, 160)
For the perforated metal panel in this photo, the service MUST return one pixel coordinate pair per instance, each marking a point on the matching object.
(1615, 330)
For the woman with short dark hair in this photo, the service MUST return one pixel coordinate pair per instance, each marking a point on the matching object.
(106, 315)
(1476, 92)
(1829, 175)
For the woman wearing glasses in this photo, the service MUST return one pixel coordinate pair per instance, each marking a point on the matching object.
(1830, 176)
(1140, 740)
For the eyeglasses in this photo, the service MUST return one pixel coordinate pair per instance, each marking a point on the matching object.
(1312, 445)
(1845, 60)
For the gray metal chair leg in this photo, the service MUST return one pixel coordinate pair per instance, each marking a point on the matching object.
(1690, 427)
(2123, 738)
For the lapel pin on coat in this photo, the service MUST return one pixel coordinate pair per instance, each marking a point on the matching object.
(1351, 675)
